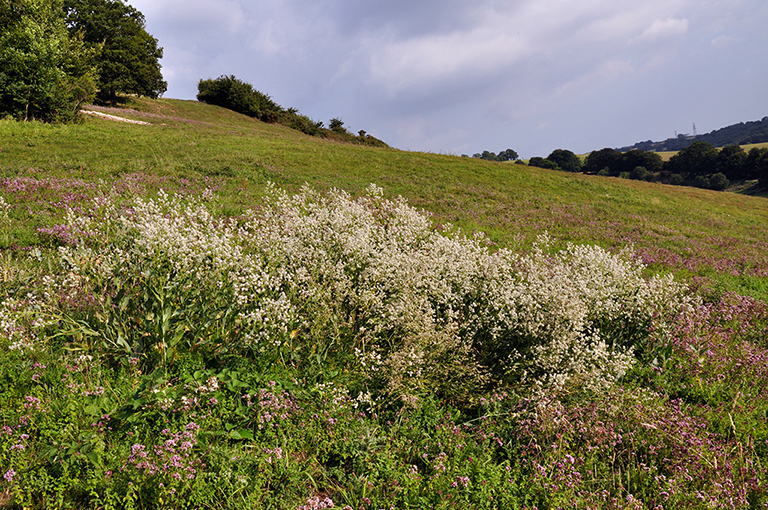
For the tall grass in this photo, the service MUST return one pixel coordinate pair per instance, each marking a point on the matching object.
(328, 350)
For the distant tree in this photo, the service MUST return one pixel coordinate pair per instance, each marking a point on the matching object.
(651, 161)
(507, 155)
(639, 173)
(337, 126)
(699, 158)
(676, 180)
(128, 57)
(601, 159)
(565, 160)
(731, 161)
(756, 165)
(701, 181)
(44, 73)
(718, 181)
(540, 162)
(234, 94)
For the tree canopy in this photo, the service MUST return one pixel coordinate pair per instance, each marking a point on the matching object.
(565, 160)
(128, 56)
(44, 74)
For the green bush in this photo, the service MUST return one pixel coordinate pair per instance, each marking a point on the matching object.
(234, 94)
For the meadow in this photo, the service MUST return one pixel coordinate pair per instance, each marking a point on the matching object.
(213, 312)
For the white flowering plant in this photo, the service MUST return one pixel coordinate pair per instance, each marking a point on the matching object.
(368, 281)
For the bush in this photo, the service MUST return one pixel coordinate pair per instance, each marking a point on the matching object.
(434, 311)
(676, 179)
(701, 181)
(540, 162)
(237, 95)
(639, 173)
(718, 182)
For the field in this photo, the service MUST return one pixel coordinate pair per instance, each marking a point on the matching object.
(213, 312)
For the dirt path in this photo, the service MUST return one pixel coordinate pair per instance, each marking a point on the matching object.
(113, 117)
(108, 113)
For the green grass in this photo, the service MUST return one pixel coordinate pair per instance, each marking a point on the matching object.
(131, 356)
(511, 203)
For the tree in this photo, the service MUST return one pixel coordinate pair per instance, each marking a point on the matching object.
(337, 126)
(128, 56)
(731, 162)
(237, 95)
(718, 181)
(43, 73)
(756, 165)
(540, 162)
(639, 173)
(651, 161)
(699, 158)
(604, 158)
(507, 155)
(566, 160)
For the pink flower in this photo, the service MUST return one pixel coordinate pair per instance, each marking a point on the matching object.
(9, 475)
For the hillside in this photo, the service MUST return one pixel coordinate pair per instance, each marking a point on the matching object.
(676, 229)
(201, 310)
(743, 133)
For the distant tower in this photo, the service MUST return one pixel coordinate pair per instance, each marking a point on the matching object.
(694, 129)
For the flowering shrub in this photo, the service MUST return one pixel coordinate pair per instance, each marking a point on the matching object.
(436, 310)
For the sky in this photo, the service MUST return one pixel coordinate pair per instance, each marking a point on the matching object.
(459, 77)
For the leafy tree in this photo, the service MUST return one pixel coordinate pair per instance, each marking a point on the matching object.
(718, 181)
(698, 159)
(651, 161)
(128, 56)
(639, 173)
(337, 125)
(756, 166)
(540, 162)
(43, 73)
(237, 95)
(507, 155)
(604, 158)
(731, 162)
(566, 160)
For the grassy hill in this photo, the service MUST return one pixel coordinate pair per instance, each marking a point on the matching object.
(717, 238)
(241, 347)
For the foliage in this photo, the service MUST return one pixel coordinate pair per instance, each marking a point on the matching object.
(307, 422)
(127, 56)
(698, 159)
(565, 160)
(540, 162)
(505, 155)
(237, 95)
(169, 356)
(44, 74)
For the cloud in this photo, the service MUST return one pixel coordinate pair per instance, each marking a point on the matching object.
(664, 28)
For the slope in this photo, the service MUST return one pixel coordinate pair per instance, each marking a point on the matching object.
(716, 240)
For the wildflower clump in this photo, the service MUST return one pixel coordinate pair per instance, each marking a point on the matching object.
(422, 310)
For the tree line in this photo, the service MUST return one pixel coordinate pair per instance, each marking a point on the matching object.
(56, 55)
(235, 94)
(700, 164)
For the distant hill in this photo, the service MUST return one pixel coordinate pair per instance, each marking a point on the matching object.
(742, 133)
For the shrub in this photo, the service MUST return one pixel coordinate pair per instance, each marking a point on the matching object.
(718, 181)
(639, 173)
(366, 279)
(234, 94)
(676, 180)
